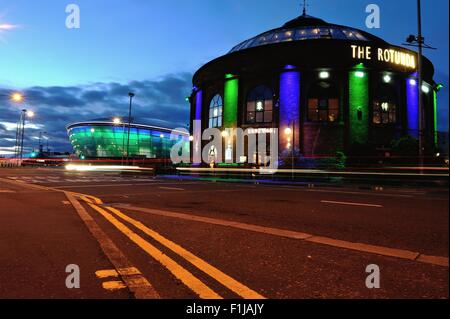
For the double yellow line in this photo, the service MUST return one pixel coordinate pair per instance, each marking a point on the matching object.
(192, 282)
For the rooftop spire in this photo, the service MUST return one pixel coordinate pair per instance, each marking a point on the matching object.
(304, 7)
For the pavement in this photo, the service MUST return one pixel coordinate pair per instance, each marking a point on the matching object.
(154, 237)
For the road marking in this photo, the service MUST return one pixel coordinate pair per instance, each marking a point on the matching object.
(378, 250)
(137, 284)
(221, 222)
(357, 193)
(207, 268)
(108, 185)
(66, 202)
(106, 273)
(178, 271)
(350, 204)
(6, 191)
(172, 188)
(365, 248)
(113, 285)
(434, 260)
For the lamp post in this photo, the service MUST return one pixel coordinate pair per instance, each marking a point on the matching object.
(131, 95)
(41, 145)
(419, 42)
(17, 98)
(118, 121)
(46, 140)
(24, 114)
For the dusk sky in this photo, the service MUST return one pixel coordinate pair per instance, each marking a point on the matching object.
(153, 47)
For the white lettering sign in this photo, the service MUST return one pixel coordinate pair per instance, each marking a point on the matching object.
(384, 55)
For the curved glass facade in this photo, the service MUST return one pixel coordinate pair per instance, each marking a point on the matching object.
(111, 141)
(301, 33)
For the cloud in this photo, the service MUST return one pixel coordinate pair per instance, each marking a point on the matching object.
(158, 102)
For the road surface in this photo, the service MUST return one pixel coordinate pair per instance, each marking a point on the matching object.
(146, 237)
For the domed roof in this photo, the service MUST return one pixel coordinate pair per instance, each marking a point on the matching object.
(306, 27)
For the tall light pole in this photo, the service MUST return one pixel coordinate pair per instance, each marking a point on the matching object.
(131, 95)
(419, 42)
(118, 121)
(24, 115)
(17, 98)
(41, 147)
(46, 139)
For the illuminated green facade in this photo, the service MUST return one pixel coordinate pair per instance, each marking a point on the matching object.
(92, 140)
(231, 102)
(358, 106)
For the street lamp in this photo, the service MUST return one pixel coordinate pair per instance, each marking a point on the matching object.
(118, 121)
(17, 97)
(131, 95)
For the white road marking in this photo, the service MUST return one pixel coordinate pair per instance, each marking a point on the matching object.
(116, 185)
(357, 193)
(6, 191)
(350, 204)
(172, 188)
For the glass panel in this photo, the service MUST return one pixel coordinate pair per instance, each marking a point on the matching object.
(323, 115)
(260, 117)
(268, 117)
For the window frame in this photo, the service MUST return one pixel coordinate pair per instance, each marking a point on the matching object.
(260, 94)
(216, 103)
(330, 107)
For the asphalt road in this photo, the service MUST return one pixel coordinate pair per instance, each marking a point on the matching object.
(192, 239)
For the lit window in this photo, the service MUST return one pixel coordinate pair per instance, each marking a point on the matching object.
(323, 109)
(260, 105)
(385, 105)
(323, 103)
(384, 113)
(215, 111)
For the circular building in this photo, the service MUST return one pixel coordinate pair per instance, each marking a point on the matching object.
(109, 139)
(328, 89)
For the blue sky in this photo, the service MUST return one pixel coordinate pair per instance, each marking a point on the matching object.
(158, 43)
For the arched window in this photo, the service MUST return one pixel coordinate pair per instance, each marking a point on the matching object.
(323, 103)
(215, 111)
(260, 105)
(385, 105)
